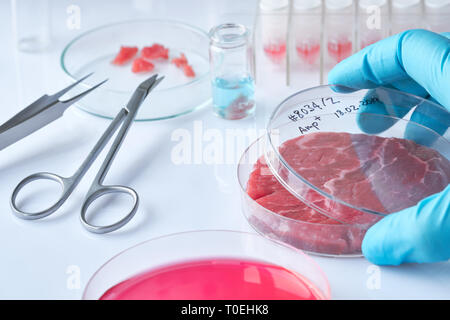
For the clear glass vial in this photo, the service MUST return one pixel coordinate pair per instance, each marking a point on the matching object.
(232, 76)
(31, 21)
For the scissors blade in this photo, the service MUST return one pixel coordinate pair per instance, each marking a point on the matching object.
(141, 93)
(40, 113)
(126, 115)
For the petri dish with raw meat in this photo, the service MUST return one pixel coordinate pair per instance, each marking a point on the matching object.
(336, 160)
(127, 52)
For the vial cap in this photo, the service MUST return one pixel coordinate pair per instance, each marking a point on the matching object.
(367, 3)
(307, 4)
(405, 4)
(273, 4)
(436, 4)
(338, 4)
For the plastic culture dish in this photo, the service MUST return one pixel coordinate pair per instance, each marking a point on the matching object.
(94, 51)
(248, 259)
(336, 160)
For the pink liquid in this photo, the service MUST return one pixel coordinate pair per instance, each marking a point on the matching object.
(215, 279)
(368, 42)
(275, 51)
(308, 52)
(339, 49)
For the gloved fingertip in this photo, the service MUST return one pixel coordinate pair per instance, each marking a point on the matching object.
(378, 246)
(371, 249)
(334, 76)
(341, 74)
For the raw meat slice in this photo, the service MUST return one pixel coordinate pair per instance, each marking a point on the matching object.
(329, 239)
(381, 174)
(267, 191)
(125, 55)
(141, 65)
(188, 71)
(156, 51)
(384, 175)
(315, 232)
(181, 61)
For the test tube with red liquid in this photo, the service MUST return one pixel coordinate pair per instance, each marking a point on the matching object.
(306, 28)
(373, 22)
(339, 33)
(273, 22)
(275, 50)
(308, 50)
(405, 14)
(339, 47)
(437, 15)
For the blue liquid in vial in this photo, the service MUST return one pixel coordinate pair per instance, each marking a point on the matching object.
(233, 98)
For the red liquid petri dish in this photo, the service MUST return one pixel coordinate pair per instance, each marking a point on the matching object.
(210, 264)
(215, 279)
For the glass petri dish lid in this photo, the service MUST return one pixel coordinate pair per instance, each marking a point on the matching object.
(171, 250)
(278, 215)
(358, 155)
(177, 95)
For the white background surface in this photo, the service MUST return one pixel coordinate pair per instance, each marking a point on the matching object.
(35, 256)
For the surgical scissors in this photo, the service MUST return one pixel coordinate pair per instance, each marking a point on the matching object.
(125, 118)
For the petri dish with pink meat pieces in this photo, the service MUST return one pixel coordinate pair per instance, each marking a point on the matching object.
(336, 160)
(127, 52)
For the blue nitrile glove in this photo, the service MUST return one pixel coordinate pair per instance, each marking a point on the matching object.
(417, 62)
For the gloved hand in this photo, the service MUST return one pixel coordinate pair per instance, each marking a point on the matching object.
(417, 62)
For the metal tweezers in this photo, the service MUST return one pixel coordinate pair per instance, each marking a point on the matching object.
(40, 113)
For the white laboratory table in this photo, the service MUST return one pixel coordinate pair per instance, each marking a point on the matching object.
(38, 259)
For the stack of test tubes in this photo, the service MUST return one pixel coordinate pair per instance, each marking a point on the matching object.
(302, 40)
